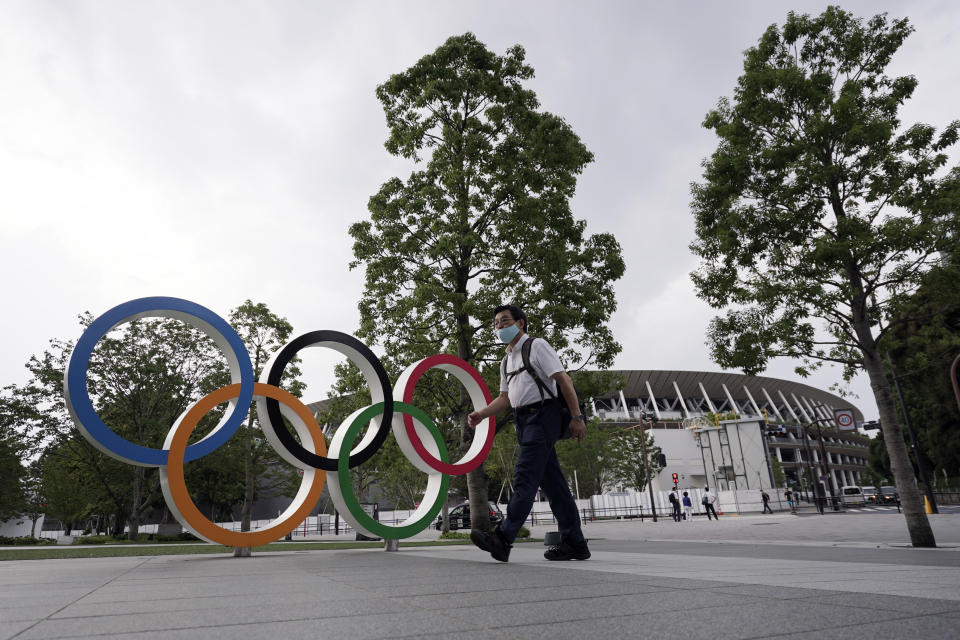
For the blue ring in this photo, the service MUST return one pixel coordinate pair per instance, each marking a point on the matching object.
(78, 399)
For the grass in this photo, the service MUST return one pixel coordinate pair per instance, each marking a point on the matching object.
(116, 551)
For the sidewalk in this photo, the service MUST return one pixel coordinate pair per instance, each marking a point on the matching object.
(741, 577)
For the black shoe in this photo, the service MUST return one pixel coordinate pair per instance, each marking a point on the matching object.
(567, 551)
(492, 541)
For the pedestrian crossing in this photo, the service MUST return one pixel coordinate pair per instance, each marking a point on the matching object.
(868, 509)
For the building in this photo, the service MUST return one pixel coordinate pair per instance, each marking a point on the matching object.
(757, 420)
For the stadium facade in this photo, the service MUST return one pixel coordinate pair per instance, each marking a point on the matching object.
(782, 420)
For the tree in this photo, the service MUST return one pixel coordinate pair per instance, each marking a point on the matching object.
(779, 477)
(13, 473)
(70, 491)
(263, 332)
(483, 217)
(626, 458)
(141, 377)
(818, 211)
(922, 346)
(500, 463)
(589, 458)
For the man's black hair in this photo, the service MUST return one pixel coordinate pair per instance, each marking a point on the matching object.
(515, 312)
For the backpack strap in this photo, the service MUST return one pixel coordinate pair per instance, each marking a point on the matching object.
(541, 385)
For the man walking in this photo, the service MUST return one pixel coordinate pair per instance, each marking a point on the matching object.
(708, 503)
(538, 423)
(766, 502)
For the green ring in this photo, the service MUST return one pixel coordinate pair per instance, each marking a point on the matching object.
(346, 488)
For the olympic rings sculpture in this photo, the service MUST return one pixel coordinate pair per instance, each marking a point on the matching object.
(418, 437)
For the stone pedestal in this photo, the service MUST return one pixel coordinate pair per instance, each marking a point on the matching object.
(391, 545)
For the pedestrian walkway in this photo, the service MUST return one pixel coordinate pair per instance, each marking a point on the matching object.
(736, 578)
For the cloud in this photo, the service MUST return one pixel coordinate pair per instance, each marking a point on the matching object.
(219, 151)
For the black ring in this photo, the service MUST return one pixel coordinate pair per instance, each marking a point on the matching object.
(275, 419)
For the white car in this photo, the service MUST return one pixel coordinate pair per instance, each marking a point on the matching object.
(852, 496)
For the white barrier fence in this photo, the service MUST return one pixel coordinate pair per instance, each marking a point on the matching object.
(624, 504)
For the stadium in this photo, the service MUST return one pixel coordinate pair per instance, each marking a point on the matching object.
(767, 419)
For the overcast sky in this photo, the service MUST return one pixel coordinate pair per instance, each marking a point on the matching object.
(218, 151)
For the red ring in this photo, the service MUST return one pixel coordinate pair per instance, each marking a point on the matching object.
(429, 458)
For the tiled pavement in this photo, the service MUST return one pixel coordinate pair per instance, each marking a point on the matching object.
(632, 587)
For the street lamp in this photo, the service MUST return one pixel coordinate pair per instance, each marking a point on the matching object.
(647, 418)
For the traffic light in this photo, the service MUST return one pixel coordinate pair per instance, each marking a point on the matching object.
(662, 459)
(676, 480)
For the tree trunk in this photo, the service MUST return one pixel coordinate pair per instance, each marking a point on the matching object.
(248, 480)
(477, 480)
(477, 483)
(133, 522)
(918, 525)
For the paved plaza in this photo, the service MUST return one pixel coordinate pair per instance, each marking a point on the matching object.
(835, 576)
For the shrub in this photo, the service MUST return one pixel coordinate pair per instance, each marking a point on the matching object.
(25, 540)
(454, 535)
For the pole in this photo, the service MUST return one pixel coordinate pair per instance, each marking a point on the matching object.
(913, 437)
(806, 445)
(702, 458)
(953, 379)
(825, 464)
(646, 466)
(743, 460)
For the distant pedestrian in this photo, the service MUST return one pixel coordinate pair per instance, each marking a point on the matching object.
(766, 502)
(709, 500)
(675, 503)
(788, 495)
(687, 507)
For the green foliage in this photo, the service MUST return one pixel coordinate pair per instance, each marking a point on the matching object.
(523, 534)
(25, 540)
(716, 418)
(13, 473)
(779, 477)
(483, 218)
(454, 535)
(397, 479)
(922, 347)
(141, 377)
(589, 458)
(500, 463)
(819, 212)
(250, 456)
(817, 209)
(626, 458)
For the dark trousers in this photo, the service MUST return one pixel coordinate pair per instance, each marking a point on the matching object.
(709, 509)
(677, 516)
(766, 507)
(538, 466)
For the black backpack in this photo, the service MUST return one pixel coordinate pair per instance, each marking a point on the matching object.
(543, 387)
